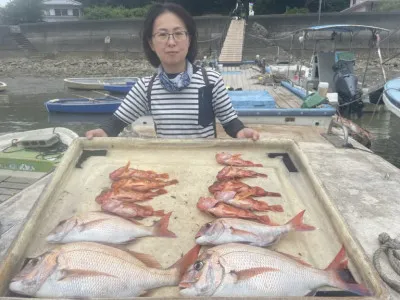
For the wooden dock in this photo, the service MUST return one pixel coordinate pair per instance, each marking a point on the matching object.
(12, 182)
(232, 50)
(246, 78)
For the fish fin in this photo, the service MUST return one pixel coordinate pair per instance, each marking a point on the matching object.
(337, 262)
(75, 273)
(92, 224)
(250, 273)
(159, 213)
(147, 259)
(299, 260)
(188, 259)
(297, 223)
(134, 221)
(161, 227)
(172, 182)
(164, 175)
(242, 232)
(336, 268)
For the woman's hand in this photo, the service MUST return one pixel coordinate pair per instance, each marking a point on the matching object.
(248, 133)
(96, 133)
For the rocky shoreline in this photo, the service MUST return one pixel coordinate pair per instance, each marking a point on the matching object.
(63, 67)
(74, 67)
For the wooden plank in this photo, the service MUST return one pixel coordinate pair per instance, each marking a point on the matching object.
(21, 180)
(9, 192)
(3, 177)
(3, 198)
(13, 186)
(232, 50)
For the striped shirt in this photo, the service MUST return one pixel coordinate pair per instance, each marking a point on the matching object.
(177, 115)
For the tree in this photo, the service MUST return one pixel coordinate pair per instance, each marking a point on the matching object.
(23, 11)
(389, 5)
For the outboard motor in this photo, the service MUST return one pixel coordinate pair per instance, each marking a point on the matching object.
(350, 96)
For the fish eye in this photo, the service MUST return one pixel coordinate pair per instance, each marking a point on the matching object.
(208, 225)
(33, 261)
(198, 265)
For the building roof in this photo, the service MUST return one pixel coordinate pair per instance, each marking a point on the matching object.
(62, 2)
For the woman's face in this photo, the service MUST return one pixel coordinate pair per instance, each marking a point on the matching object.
(170, 49)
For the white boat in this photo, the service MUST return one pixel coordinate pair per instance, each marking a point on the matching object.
(391, 96)
(26, 157)
(98, 83)
(3, 86)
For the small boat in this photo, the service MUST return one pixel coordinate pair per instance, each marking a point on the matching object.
(3, 86)
(391, 96)
(27, 157)
(119, 89)
(83, 105)
(98, 83)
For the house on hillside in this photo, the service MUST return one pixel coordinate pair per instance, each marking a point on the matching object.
(62, 10)
(362, 6)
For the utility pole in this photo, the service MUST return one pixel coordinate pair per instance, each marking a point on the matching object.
(319, 11)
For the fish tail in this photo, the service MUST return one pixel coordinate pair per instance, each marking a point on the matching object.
(172, 182)
(188, 259)
(339, 273)
(297, 223)
(159, 213)
(262, 175)
(161, 227)
(277, 208)
(272, 194)
(161, 192)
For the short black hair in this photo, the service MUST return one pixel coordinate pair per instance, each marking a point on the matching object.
(147, 35)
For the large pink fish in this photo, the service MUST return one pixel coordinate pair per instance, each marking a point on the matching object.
(237, 270)
(226, 230)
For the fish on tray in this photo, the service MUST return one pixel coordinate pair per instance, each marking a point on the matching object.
(141, 185)
(128, 196)
(228, 159)
(91, 270)
(224, 231)
(126, 173)
(245, 202)
(228, 173)
(106, 228)
(246, 271)
(222, 210)
(240, 187)
(129, 210)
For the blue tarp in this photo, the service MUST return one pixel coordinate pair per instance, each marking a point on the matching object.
(252, 99)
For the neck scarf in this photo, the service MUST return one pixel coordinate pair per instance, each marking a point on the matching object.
(181, 81)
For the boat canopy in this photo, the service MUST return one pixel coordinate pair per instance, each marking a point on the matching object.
(343, 28)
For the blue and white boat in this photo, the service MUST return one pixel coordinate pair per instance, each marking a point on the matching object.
(119, 88)
(83, 105)
(98, 83)
(391, 96)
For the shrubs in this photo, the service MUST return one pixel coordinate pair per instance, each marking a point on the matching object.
(119, 12)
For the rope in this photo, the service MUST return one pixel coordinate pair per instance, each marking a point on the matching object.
(392, 248)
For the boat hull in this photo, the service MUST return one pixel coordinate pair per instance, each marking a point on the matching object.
(84, 106)
(97, 83)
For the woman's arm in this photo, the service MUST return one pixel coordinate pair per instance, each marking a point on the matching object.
(227, 115)
(132, 107)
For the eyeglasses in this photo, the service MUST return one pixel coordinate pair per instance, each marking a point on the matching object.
(164, 36)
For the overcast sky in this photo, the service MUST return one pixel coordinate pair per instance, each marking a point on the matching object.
(3, 2)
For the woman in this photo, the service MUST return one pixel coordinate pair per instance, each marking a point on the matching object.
(183, 99)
